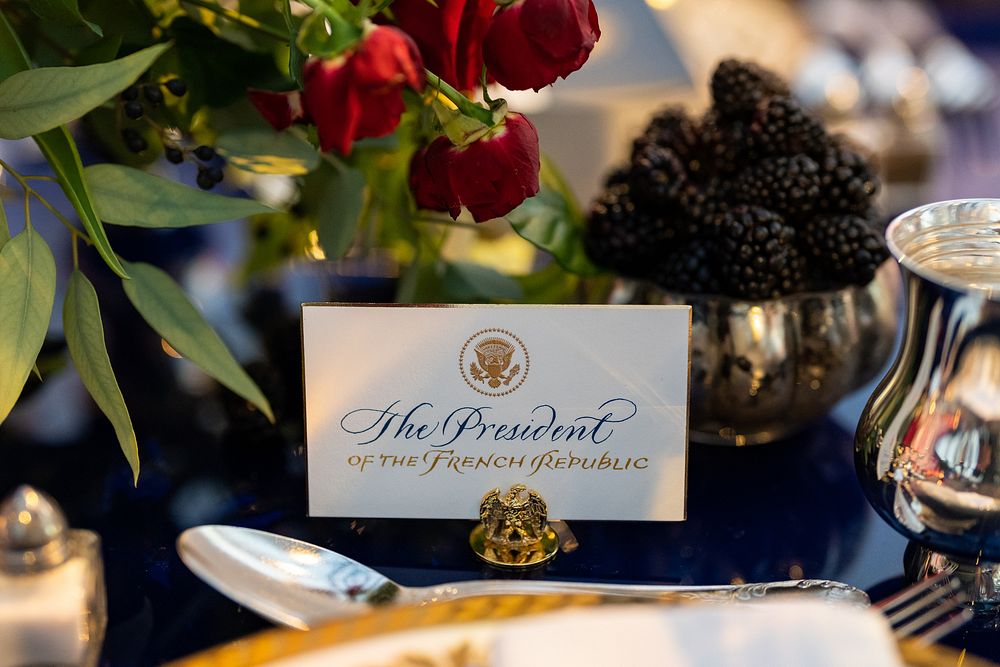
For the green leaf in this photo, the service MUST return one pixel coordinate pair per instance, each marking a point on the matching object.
(13, 58)
(337, 223)
(28, 276)
(63, 11)
(295, 56)
(547, 221)
(551, 284)
(165, 307)
(85, 339)
(264, 151)
(37, 100)
(465, 281)
(320, 36)
(4, 227)
(102, 51)
(60, 150)
(133, 198)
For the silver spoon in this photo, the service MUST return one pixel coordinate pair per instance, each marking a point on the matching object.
(302, 585)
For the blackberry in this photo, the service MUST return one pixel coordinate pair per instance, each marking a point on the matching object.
(846, 246)
(622, 237)
(787, 185)
(758, 250)
(739, 87)
(617, 176)
(847, 183)
(657, 175)
(721, 145)
(702, 203)
(176, 87)
(673, 129)
(692, 268)
(173, 154)
(781, 126)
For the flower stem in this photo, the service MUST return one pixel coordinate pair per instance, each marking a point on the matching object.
(464, 104)
(31, 192)
(242, 19)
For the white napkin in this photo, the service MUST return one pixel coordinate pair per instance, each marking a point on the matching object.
(778, 634)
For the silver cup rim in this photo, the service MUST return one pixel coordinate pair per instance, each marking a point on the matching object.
(919, 268)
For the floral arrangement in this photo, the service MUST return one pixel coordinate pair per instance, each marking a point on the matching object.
(379, 112)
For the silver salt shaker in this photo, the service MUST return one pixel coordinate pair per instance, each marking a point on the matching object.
(53, 608)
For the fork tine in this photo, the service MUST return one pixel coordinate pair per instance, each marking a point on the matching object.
(935, 613)
(901, 614)
(908, 594)
(942, 629)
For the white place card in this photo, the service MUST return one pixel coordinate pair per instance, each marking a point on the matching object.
(418, 411)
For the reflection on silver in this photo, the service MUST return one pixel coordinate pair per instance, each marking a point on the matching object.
(268, 574)
(761, 370)
(928, 443)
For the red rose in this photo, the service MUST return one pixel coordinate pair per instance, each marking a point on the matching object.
(489, 176)
(279, 109)
(355, 95)
(360, 93)
(450, 36)
(531, 43)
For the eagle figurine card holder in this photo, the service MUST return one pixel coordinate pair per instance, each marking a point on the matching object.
(575, 411)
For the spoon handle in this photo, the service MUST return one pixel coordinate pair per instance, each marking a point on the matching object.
(833, 591)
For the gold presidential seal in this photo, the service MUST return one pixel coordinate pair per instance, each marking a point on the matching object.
(494, 362)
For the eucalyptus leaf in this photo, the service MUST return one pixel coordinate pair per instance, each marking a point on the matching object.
(60, 150)
(547, 221)
(13, 57)
(466, 281)
(85, 339)
(340, 207)
(264, 151)
(4, 227)
(28, 277)
(101, 51)
(36, 100)
(165, 307)
(62, 11)
(134, 198)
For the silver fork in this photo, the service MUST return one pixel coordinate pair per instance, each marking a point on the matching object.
(927, 611)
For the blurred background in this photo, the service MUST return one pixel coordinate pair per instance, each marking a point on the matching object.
(914, 83)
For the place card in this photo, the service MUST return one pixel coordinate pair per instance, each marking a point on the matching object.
(418, 411)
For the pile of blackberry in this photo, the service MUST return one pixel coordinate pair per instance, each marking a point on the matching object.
(753, 200)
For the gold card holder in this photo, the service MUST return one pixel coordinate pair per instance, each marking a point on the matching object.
(514, 532)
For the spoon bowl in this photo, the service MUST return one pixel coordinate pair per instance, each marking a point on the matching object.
(302, 585)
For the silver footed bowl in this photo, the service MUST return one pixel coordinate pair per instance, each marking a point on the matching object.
(761, 370)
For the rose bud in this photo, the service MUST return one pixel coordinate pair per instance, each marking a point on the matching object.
(279, 109)
(449, 35)
(530, 43)
(490, 175)
(359, 93)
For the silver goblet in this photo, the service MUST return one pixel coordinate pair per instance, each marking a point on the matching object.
(927, 448)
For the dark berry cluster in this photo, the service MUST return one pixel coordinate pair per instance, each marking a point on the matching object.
(133, 98)
(151, 93)
(754, 199)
